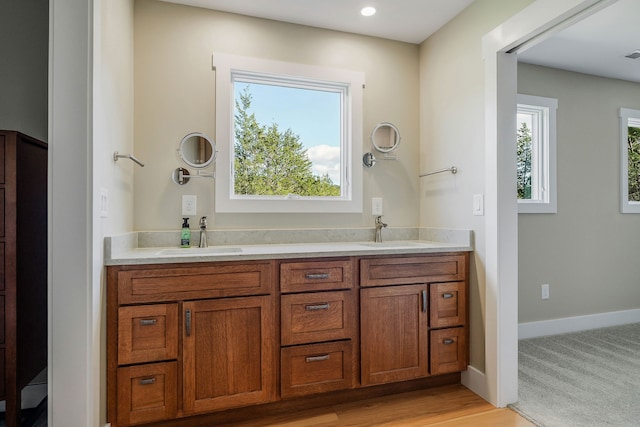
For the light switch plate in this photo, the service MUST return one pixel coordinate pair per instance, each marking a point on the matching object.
(104, 203)
(478, 204)
(189, 205)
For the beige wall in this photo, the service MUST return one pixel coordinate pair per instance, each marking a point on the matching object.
(587, 252)
(175, 95)
(24, 43)
(452, 118)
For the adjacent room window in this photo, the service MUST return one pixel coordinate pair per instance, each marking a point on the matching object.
(290, 137)
(536, 151)
(629, 160)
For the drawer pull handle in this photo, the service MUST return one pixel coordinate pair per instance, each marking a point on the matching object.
(148, 381)
(188, 323)
(447, 341)
(317, 358)
(447, 295)
(316, 276)
(148, 322)
(324, 306)
(424, 301)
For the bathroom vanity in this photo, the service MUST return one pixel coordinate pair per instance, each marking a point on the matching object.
(272, 329)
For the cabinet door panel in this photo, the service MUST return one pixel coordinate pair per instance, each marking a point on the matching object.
(228, 353)
(394, 333)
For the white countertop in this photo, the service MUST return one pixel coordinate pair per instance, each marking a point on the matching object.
(161, 255)
(237, 245)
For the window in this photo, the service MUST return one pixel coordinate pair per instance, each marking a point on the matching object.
(536, 150)
(630, 160)
(289, 135)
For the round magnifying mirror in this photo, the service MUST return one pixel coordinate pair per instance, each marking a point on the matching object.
(197, 150)
(385, 137)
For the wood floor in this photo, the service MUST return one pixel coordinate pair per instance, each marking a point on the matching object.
(448, 406)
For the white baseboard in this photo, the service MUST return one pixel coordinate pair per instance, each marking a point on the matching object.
(475, 381)
(576, 324)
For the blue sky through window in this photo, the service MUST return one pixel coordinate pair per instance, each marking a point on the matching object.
(313, 115)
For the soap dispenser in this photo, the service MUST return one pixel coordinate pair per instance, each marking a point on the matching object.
(185, 235)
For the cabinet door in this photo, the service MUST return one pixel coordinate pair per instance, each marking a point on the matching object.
(394, 339)
(228, 353)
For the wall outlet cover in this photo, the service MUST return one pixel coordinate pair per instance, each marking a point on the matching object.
(189, 205)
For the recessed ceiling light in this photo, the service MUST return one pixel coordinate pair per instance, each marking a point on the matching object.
(368, 11)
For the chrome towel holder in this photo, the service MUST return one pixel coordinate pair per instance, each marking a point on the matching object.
(452, 169)
(131, 157)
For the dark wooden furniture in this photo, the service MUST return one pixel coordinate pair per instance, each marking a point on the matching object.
(197, 343)
(23, 266)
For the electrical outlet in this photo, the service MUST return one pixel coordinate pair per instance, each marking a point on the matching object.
(545, 291)
(189, 205)
(376, 206)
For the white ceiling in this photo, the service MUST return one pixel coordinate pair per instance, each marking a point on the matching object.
(597, 45)
(410, 21)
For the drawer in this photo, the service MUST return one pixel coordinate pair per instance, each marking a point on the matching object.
(147, 393)
(2, 323)
(2, 213)
(316, 276)
(447, 304)
(147, 333)
(316, 368)
(448, 350)
(316, 317)
(151, 284)
(2, 266)
(413, 269)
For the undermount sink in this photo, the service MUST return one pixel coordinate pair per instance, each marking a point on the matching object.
(395, 244)
(212, 250)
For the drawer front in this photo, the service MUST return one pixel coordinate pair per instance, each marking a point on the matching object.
(447, 304)
(414, 269)
(2, 266)
(3, 381)
(316, 276)
(147, 333)
(316, 368)
(182, 283)
(316, 317)
(448, 351)
(147, 393)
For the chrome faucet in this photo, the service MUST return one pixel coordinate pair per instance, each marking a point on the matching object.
(379, 226)
(203, 232)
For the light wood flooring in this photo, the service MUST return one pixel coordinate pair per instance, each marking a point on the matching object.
(447, 406)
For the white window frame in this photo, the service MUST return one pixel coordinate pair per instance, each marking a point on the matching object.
(544, 161)
(350, 200)
(628, 117)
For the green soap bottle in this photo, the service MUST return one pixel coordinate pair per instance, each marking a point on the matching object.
(185, 235)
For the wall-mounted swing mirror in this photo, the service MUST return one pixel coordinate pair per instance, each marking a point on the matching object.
(197, 150)
(385, 137)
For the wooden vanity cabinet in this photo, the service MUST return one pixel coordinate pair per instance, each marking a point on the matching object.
(318, 317)
(205, 338)
(413, 317)
(187, 339)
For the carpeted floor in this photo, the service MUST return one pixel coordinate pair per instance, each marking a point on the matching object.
(583, 379)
